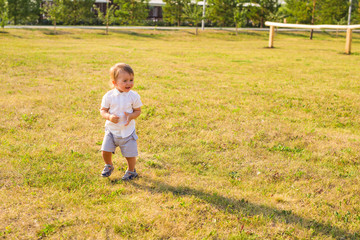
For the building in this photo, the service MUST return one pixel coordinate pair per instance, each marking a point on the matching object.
(155, 12)
(155, 8)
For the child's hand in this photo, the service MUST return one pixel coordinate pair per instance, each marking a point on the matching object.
(128, 118)
(113, 118)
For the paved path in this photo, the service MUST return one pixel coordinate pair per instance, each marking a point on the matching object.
(131, 27)
(160, 28)
(165, 28)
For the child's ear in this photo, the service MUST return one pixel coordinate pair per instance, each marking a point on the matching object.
(114, 82)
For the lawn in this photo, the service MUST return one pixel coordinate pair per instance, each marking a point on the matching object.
(236, 140)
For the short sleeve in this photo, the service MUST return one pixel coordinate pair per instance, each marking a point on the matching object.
(105, 103)
(137, 102)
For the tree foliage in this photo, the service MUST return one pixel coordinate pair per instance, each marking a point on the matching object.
(131, 11)
(332, 11)
(327, 11)
(78, 11)
(54, 11)
(299, 11)
(240, 15)
(356, 12)
(221, 12)
(193, 12)
(173, 11)
(235, 12)
(3, 13)
(106, 18)
(36, 12)
(268, 8)
(24, 11)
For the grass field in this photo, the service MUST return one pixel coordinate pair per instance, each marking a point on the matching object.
(236, 141)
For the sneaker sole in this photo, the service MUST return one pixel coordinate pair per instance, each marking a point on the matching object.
(105, 175)
(129, 179)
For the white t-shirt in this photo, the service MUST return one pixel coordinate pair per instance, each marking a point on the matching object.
(118, 103)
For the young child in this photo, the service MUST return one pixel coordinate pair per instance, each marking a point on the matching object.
(120, 107)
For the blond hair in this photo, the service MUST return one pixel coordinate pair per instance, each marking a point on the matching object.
(116, 69)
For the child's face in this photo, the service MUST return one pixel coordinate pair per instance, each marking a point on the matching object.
(124, 82)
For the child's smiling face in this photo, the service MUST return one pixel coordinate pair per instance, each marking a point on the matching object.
(124, 81)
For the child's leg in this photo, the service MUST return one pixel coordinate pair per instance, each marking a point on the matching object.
(131, 163)
(108, 147)
(107, 157)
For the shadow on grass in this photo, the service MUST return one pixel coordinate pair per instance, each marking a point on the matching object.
(243, 206)
(323, 50)
(48, 31)
(247, 33)
(295, 34)
(136, 34)
(273, 48)
(103, 33)
(339, 35)
(8, 34)
(52, 32)
(191, 33)
(352, 53)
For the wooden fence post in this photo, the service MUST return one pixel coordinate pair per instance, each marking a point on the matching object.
(271, 36)
(348, 41)
(349, 29)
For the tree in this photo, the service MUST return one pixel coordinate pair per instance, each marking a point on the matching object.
(313, 19)
(173, 11)
(131, 11)
(332, 11)
(355, 17)
(54, 10)
(281, 14)
(78, 11)
(24, 11)
(317, 11)
(194, 13)
(3, 13)
(240, 13)
(254, 15)
(18, 10)
(326, 11)
(267, 9)
(300, 11)
(36, 11)
(222, 12)
(108, 17)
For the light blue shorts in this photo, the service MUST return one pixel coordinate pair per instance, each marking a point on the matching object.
(128, 145)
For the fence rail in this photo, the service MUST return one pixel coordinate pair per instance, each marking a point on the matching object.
(348, 28)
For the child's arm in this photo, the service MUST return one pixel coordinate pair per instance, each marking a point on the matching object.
(111, 117)
(133, 115)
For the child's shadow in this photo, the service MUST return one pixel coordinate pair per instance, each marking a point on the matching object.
(116, 181)
(243, 206)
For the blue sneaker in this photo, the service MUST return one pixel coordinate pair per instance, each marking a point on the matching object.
(108, 169)
(129, 175)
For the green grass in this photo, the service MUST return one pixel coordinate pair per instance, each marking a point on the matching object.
(236, 141)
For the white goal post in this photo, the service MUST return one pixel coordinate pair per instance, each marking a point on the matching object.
(348, 28)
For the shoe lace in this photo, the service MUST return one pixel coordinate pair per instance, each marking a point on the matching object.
(107, 168)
